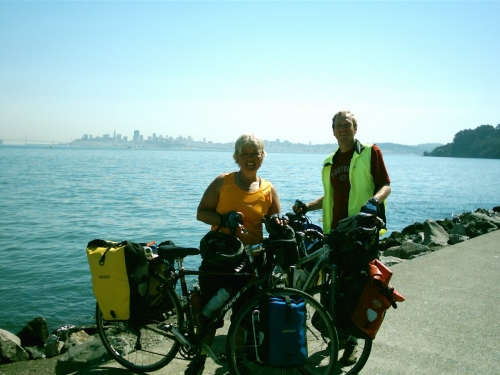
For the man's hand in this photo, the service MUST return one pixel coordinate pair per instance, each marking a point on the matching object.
(371, 207)
(299, 207)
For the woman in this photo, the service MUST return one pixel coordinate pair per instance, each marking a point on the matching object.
(236, 202)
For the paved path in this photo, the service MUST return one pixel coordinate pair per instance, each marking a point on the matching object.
(449, 323)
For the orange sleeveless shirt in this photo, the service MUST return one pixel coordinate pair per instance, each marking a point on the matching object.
(254, 206)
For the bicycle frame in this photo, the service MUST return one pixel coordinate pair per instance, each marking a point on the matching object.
(321, 256)
(180, 275)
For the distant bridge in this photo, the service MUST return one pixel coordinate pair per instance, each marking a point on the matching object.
(27, 141)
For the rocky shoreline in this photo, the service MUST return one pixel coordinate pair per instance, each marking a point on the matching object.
(422, 238)
(80, 347)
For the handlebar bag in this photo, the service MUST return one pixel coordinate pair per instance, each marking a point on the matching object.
(354, 243)
(282, 246)
(283, 321)
(119, 278)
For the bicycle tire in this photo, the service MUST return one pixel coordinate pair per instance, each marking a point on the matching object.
(142, 345)
(364, 346)
(242, 348)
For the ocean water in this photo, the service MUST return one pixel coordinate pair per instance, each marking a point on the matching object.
(53, 201)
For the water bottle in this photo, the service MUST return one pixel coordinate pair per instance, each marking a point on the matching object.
(196, 304)
(217, 301)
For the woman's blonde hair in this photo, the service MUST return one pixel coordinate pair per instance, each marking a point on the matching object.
(245, 140)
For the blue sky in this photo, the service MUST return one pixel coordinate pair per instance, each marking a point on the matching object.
(412, 72)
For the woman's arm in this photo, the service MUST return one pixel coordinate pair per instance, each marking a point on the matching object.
(275, 207)
(207, 208)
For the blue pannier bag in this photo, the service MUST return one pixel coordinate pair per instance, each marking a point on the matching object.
(283, 322)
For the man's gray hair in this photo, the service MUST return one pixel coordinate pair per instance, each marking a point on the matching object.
(347, 115)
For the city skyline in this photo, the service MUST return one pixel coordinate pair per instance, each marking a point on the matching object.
(107, 137)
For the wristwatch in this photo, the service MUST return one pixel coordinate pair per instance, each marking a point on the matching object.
(375, 199)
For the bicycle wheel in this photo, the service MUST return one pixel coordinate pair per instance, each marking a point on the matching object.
(360, 347)
(245, 342)
(144, 344)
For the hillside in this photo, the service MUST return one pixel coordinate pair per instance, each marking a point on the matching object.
(387, 148)
(394, 148)
(482, 142)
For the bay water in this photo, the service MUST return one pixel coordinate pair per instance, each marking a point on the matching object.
(53, 201)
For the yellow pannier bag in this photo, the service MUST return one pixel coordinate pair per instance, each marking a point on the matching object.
(119, 278)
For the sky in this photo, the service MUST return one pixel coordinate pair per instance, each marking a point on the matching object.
(412, 72)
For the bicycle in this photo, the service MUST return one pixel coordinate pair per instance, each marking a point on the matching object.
(320, 273)
(167, 326)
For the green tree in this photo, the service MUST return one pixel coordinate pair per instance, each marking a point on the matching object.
(482, 142)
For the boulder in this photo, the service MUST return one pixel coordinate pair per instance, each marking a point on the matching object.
(456, 238)
(53, 346)
(434, 235)
(413, 229)
(64, 332)
(474, 224)
(65, 337)
(10, 348)
(417, 238)
(35, 352)
(35, 333)
(447, 224)
(406, 250)
(484, 222)
(395, 239)
(77, 338)
(89, 353)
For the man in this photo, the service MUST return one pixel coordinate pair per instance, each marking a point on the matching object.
(354, 179)
(352, 176)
